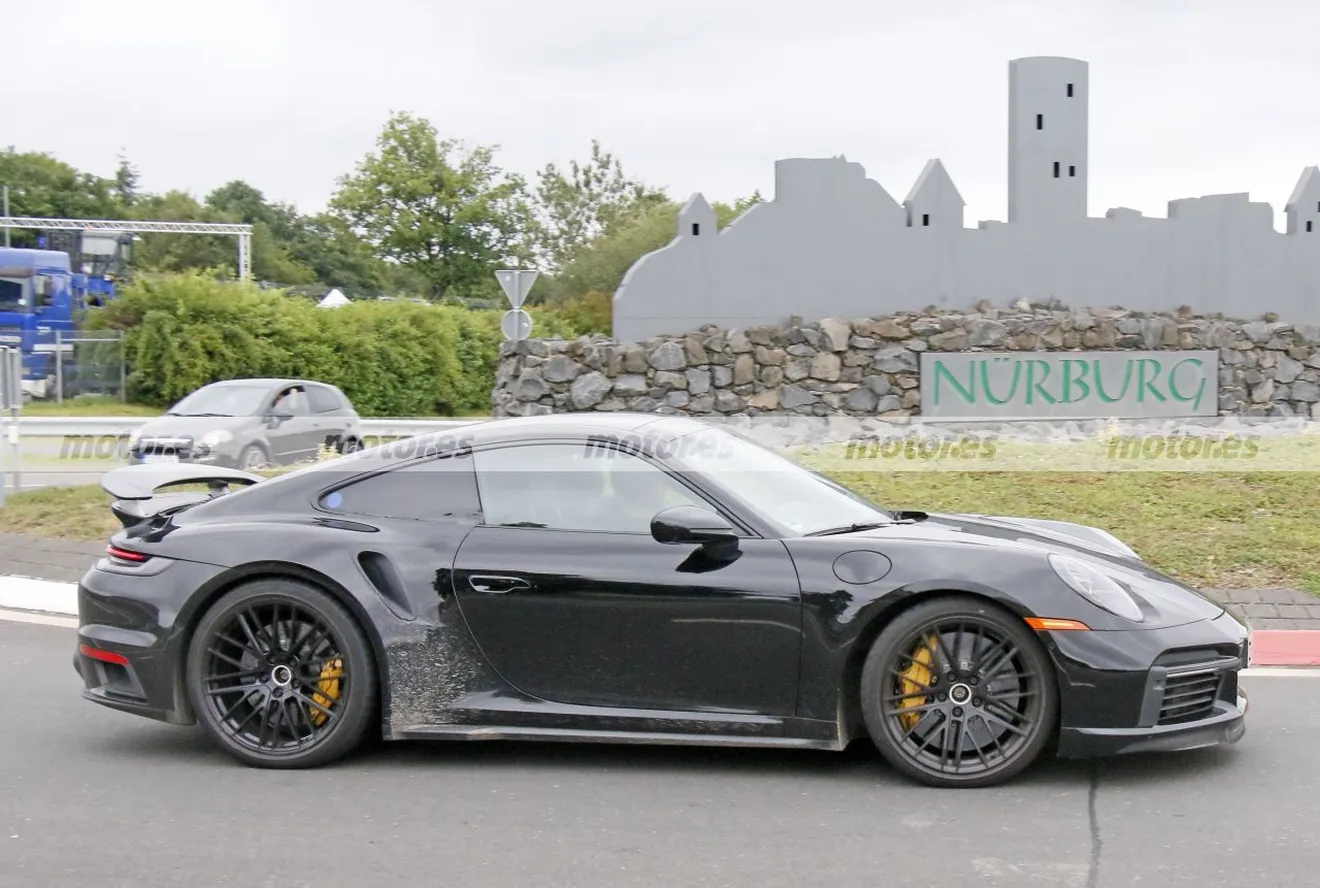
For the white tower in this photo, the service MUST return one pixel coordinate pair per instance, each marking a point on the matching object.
(1047, 140)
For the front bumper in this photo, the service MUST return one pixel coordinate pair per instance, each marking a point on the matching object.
(1156, 690)
(192, 457)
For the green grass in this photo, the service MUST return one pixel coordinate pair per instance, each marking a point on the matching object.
(1219, 530)
(88, 405)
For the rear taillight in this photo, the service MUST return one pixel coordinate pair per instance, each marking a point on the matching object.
(104, 656)
(125, 556)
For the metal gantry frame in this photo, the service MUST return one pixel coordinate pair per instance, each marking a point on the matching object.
(243, 232)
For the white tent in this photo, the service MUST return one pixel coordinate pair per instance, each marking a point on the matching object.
(333, 299)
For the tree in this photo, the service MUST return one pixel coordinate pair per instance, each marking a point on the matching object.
(241, 201)
(599, 267)
(594, 199)
(446, 212)
(339, 258)
(40, 185)
(182, 252)
(125, 187)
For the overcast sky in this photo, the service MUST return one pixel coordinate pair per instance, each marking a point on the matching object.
(1188, 97)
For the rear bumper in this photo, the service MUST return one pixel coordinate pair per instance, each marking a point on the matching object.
(131, 639)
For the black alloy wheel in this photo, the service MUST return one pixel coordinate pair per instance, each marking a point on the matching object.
(281, 676)
(956, 692)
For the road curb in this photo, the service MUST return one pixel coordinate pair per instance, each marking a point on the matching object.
(1285, 647)
(1269, 647)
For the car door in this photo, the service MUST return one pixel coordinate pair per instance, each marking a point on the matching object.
(573, 601)
(294, 436)
(328, 414)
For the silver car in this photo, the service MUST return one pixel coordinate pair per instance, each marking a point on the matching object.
(250, 423)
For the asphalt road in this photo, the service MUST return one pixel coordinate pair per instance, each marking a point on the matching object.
(91, 797)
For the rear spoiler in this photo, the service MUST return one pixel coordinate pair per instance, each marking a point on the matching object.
(134, 487)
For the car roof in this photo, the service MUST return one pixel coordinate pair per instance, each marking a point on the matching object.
(651, 426)
(271, 382)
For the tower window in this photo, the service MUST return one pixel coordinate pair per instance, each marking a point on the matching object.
(1308, 226)
(925, 220)
(1056, 169)
(1070, 94)
(1072, 171)
(696, 228)
(1040, 121)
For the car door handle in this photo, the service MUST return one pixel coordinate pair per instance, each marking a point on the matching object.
(498, 584)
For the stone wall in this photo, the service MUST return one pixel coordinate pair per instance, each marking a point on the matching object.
(869, 367)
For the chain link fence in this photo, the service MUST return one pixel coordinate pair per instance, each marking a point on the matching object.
(63, 365)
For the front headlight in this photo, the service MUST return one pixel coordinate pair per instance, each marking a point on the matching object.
(1101, 589)
(133, 437)
(216, 438)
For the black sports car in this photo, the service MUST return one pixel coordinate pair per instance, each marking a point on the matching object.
(635, 579)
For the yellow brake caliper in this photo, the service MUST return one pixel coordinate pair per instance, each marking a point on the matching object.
(328, 690)
(916, 678)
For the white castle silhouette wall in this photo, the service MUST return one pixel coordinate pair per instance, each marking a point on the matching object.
(834, 243)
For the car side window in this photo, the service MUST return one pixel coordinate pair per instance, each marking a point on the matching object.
(292, 401)
(575, 487)
(322, 399)
(436, 490)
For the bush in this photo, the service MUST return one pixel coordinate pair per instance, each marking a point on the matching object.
(391, 358)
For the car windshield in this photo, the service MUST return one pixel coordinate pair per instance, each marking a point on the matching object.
(785, 491)
(222, 400)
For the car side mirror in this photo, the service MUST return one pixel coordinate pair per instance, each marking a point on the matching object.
(691, 524)
(274, 419)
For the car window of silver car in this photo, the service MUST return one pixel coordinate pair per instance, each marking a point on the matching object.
(575, 487)
(292, 402)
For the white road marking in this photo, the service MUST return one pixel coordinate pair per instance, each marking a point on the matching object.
(27, 594)
(13, 616)
(1281, 672)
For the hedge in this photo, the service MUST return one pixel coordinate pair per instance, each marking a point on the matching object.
(391, 358)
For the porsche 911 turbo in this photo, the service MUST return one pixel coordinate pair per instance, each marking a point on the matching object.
(634, 579)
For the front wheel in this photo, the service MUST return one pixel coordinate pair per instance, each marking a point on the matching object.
(281, 676)
(956, 692)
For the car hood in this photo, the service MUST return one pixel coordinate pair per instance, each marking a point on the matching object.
(1167, 602)
(191, 426)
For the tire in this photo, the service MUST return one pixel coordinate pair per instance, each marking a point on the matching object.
(973, 736)
(349, 445)
(253, 457)
(302, 717)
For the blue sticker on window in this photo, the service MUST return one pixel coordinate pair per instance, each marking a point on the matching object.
(334, 500)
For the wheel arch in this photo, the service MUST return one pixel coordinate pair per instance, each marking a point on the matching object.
(278, 570)
(850, 685)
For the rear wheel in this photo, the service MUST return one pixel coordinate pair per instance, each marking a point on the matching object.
(281, 676)
(956, 692)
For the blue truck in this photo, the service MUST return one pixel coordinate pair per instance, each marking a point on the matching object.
(41, 298)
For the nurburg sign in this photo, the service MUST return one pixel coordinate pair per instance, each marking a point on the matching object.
(1069, 385)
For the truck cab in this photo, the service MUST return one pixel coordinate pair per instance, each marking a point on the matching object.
(39, 295)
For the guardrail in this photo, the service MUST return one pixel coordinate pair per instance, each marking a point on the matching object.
(122, 426)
